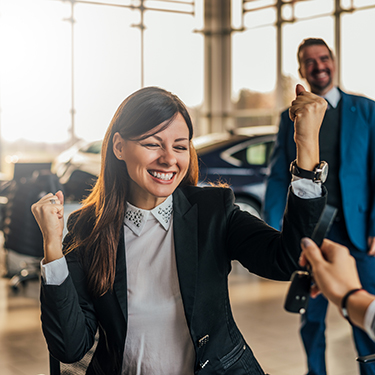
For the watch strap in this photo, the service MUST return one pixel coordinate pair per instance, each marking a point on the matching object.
(299, 172)
(344, 309)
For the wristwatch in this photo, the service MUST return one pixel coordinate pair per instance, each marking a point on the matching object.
(319, 174)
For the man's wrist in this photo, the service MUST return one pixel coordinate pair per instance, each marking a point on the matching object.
(344, 303)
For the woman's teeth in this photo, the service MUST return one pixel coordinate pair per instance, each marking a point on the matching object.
(162, 176)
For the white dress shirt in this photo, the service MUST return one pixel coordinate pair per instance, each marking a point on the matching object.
(333, 97)
(158, 340)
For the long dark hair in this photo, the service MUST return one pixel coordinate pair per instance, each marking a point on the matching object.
(103, 211)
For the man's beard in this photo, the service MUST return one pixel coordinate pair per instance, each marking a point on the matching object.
(320, 87)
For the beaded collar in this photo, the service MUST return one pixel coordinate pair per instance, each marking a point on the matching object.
(136, 218)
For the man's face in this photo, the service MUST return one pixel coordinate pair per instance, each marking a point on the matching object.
(318, 68)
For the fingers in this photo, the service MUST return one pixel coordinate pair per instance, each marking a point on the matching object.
(371, 246)
(314, 291)
(60, 196)
(327, 252)
(311, 252)
(306, 102)
(57, 198)
(49, 204)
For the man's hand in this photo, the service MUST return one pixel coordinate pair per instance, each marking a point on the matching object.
(333, 268)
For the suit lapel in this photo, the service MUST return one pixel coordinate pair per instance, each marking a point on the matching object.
(185, 230)
(348, 127)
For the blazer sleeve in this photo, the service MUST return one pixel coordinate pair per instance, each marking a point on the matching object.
(372, 169)
(266, 251)
(278, 181)
(68, 318)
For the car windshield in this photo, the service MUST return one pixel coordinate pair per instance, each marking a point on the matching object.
(92, 148)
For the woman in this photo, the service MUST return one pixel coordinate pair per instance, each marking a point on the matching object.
(149, 253)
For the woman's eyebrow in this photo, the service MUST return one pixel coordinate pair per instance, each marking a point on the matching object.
(176, 140)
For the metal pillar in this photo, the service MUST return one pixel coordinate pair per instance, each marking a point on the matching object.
(279, 66)
(71, 19)
(337, 17)
(217, 107)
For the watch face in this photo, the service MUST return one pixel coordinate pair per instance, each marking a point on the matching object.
(323, 173)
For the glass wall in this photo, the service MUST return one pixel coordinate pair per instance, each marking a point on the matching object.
(262, 67)
(358, 54)
(51, 79)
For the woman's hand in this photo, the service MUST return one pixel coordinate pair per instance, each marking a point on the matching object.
(50, 218)
(307, 111)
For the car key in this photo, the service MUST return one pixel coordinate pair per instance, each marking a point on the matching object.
(298, 294)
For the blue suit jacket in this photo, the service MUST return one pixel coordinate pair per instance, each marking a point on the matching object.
(356, 175)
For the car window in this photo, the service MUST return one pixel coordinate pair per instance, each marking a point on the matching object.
(255, 154)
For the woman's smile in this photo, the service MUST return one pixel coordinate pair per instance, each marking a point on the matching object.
(164, 176)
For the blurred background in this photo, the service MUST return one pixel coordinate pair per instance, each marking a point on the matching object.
(66, 65)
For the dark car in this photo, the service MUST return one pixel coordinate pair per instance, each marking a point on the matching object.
(240, 159)
(78, 168)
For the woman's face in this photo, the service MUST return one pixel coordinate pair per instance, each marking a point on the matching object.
(156, 164)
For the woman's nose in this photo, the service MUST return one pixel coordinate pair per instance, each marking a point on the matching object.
(167, 157)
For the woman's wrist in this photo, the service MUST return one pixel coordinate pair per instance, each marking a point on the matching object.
(52, 250)
(307, 160)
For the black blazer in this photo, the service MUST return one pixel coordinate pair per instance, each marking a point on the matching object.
(209, 231)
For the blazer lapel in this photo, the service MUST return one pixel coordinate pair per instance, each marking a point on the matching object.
(120, 285)
(185, 230)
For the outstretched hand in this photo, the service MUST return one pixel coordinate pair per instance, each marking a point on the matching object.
(307, 111)
(49, 214)
(333, 268)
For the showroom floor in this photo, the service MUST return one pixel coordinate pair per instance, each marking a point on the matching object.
(257, 305)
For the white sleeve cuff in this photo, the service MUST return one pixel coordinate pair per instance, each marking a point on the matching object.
(369, 321)
(305, 188)
(55, 272)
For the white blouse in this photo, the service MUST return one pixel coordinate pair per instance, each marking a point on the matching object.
(158, 340)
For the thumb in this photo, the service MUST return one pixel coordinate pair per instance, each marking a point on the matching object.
(60, 195)
(311, 251)
(299, 89)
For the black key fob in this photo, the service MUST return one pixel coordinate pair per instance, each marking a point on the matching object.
(298, 295)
